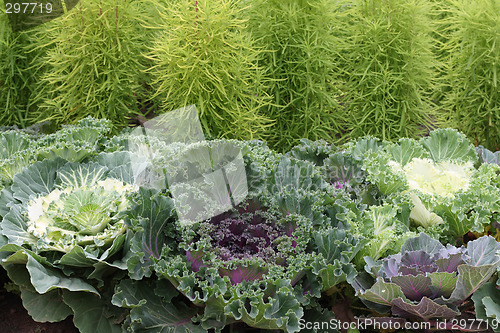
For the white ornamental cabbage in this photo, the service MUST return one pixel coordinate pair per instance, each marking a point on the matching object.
(80, 215)
(441, 179)
(59, 205)
(438, 175)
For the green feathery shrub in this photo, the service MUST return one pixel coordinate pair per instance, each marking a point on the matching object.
(391, 69)
(439, 16)
(301, 39)
(15, 78)
(93, 63)
(205, 56)
(472, 71)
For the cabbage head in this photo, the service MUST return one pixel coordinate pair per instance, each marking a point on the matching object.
(266, 261)
(428, 281)
(439, 174)
(65, 239)
(86, 214)
(74, 143)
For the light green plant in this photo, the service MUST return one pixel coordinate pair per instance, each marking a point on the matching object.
(74, 143)
(438, 176)
(439, 16)
(205, 56)
(93, 63)
(302, 41)
(391, 69)
(15, 79)
(473, 68)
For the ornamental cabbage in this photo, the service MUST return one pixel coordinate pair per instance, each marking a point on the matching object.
(341, 168)
(19, 149)
(449, 194)
(488, 157)
(487, 298)
(11, 161)
(264, 262)
(441, 179)
(427, 281)
(313, 151)
(65, 239)
(82, 215)
(353, 201)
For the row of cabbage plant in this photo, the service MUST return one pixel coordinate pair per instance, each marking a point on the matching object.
(92, 229)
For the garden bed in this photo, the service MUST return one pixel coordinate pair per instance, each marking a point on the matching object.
(147, 229)
(333, 164)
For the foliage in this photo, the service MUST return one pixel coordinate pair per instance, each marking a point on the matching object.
(313, 151)
(301, 40)
(262, 262)
(437, 174)
(156, 306)
(486, 303)
(136, 232)
(204, 55)
(16, 81)
(356, 202)
(390, 69)
(427, 280)
(148, 233)
(92, 63)
(65, 239)
(470, 74)
(74, 143)
(487, 156)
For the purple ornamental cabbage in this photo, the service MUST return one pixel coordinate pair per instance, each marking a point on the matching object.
(243, 234)
(427, 280)
(264, 263)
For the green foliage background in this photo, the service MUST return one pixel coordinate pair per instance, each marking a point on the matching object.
(472, 77)
(92, 60)
(302, 42)
(276, 70)
(390, 69)
(16, 81)
(204, 55)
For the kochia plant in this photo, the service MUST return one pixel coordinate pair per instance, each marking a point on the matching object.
(92, 64)
(390, 68)
(16, 80)
(204, 55)
(427, 281)
(472, 72)
(302, 43)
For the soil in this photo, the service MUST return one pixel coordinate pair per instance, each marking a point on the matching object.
(15, 319)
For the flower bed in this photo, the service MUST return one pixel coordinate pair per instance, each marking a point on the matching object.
(91, 231)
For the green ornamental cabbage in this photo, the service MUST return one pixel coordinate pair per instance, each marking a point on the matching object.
(438, 174)
(64, 238)
(74, 143)
(70, 216)
(353, 201)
